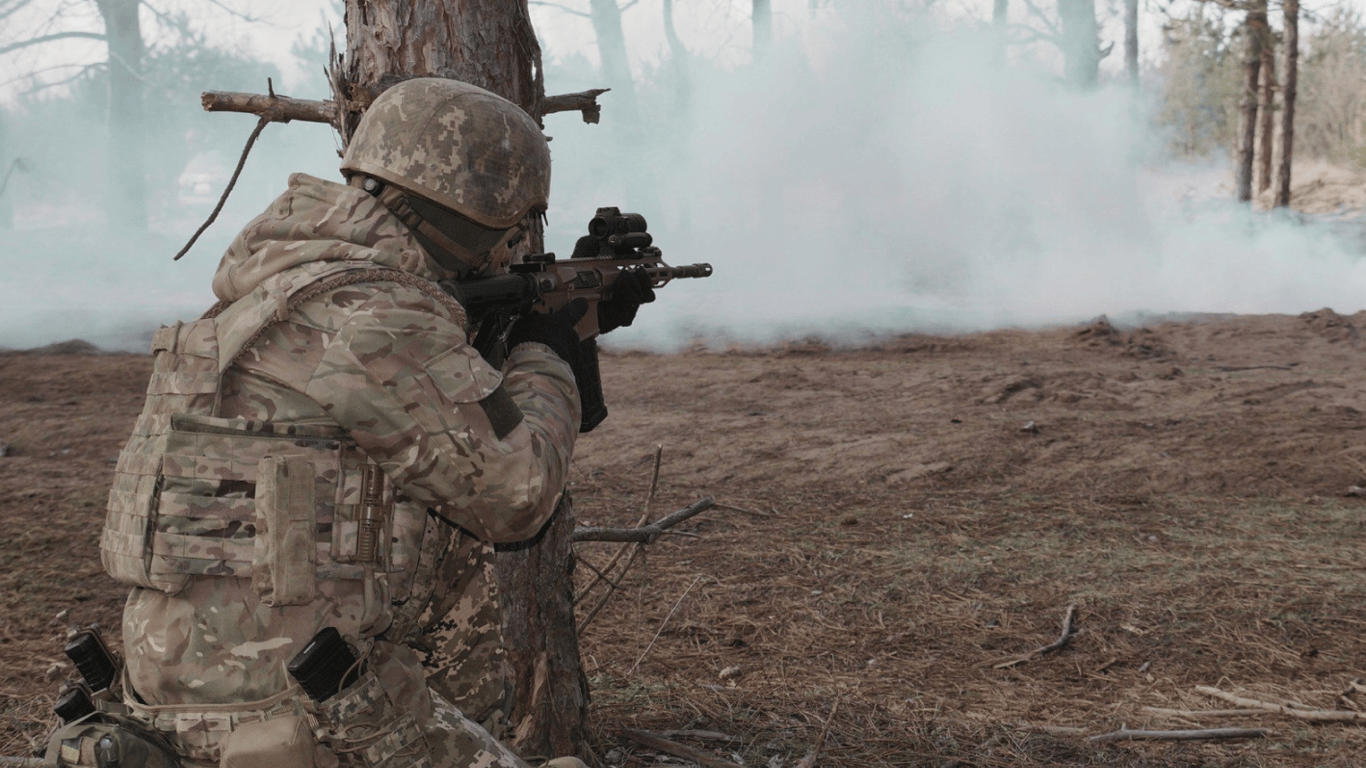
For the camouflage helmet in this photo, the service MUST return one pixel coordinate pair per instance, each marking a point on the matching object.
(457, 145)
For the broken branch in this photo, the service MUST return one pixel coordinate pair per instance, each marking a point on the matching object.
(1316, 715)
(660, 744)
(282, 109)
(1205, 712)
(1124, 734)
(646, 533)
(276, 109)
(584, 101)
(1067, 634)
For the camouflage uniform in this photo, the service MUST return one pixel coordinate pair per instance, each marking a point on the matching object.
(306, 454)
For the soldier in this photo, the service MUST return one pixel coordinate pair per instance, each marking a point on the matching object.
(324, 450)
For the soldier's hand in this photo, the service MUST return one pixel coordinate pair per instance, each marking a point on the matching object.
(629, 291)
(555, 330)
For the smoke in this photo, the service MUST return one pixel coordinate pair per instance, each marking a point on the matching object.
(905, 182)
(892, 176)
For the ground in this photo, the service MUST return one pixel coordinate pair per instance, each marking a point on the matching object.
(899, 527)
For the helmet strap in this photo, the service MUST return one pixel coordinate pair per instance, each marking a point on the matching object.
(393, 198)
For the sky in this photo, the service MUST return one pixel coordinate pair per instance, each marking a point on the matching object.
(878, 175)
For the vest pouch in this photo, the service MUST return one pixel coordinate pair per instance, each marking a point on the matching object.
(366, 730)
(280, 741)
(285, 561)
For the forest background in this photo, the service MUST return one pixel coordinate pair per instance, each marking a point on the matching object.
(982, 176)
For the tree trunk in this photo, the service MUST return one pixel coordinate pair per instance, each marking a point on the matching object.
(679, 62)
(1131, 39)
(1267, 115)
(550, 706)
(1080, 42)
(1256, 29)
(762, 19)
(125, 184)
(490, 43)
(616, 69)
(1292, 56)
(7, 169)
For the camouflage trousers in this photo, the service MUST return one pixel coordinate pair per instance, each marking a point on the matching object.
(460, 638)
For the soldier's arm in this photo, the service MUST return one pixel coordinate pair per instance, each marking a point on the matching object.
(489, 451)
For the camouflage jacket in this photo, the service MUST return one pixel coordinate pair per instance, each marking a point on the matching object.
(364, 348)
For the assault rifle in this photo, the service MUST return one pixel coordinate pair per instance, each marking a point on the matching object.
(615, 244)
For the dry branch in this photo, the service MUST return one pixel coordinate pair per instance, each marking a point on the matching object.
(645, 533)
(1203, 734)
(277, 109)
(584, 101)
(660, 744)
(809, 759)
(282, 109)
(1068, 632)
(1316, 715)
(1205, 712)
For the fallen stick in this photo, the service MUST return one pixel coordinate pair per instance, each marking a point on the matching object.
(645, 533)
(1067, 634)
(1205, 712)
(1055, 730)
(660, 744)
(809, 759)
(662, 624)
(1315, 715)
(1125, 734)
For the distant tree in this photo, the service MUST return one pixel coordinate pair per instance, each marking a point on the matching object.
(761, 17)
(1256, 33)
(1331, 113)
(1266, 113)
(1130, 39)
(1076, 33)
(1200, 83)
(1290, 10)
(125, 183)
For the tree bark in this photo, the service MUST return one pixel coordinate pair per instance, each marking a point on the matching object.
(1266, 115)
(1256, 30)
(550, 710)
(1080, 42)
(1292, 56)
(125, 184)
(1131, 39)
(762, 20)
(490, 43)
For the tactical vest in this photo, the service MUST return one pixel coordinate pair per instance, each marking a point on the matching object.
(287, 506)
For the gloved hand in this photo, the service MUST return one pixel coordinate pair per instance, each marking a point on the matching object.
(631, 289)
(555, 330)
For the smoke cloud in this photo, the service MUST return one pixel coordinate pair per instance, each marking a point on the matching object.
(890, 177)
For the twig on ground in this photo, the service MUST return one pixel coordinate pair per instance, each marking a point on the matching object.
(662, 624)
(809, 759)
(646, 533)
(1056, 730)
(1315, 715)
(644, 518)
(1203, 734)
(1205, 712)
(660, 744)
(1068, 632)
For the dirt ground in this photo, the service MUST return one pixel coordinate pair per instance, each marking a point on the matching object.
(899, 528)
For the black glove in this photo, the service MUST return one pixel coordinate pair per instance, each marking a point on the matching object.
(555, 330)
(631, 289)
